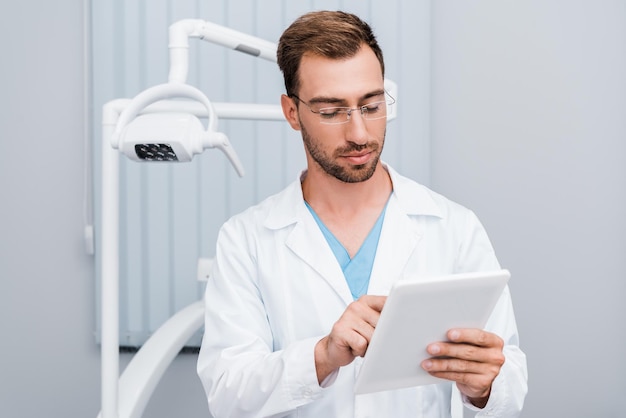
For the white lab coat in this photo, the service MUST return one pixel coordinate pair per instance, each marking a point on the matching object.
(276, 289)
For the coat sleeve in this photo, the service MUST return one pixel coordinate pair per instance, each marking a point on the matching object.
(510, 387)
(241, 373)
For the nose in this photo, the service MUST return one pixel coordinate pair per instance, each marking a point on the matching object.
(356, 130)
(358, 110)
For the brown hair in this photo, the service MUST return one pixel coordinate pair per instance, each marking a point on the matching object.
(330, 34)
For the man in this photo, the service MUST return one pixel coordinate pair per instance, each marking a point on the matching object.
(299, 280)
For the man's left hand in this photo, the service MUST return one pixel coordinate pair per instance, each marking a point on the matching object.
(472, 358)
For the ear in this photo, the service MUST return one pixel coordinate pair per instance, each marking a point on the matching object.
(290, 111)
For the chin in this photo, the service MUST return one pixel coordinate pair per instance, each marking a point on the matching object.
(357, 173)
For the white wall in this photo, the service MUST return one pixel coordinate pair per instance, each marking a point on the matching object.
(529, 130)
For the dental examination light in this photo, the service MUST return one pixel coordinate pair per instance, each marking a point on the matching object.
(169, 136)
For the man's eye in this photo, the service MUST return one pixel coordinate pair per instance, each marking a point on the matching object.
(373, 107)
(329, 113)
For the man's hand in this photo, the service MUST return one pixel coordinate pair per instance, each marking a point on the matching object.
(472, 358)
(350, 335)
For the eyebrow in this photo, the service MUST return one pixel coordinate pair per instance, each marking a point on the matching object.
(337, 101)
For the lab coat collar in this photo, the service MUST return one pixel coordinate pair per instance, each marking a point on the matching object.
(413, 198)
(398, 241)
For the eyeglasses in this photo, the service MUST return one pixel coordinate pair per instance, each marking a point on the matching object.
(338, 115)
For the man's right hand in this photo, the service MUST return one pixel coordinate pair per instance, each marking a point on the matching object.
(350, 335)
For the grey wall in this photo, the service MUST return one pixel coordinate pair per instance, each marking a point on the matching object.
(528, 129)
(49, 364)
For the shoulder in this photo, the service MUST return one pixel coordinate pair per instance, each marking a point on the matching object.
(275, 211)
(419, 200)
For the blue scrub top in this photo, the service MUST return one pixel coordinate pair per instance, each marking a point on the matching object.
(357, 270)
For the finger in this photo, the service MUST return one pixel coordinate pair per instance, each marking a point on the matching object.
(467, 352)
(458, 366)
(359, 344)
(354, 342)
(374, 302)
(356, 326)
(367, 308)
(365, 330)
(475, 336)
(476, 377)
(474, 384)
(344, 340)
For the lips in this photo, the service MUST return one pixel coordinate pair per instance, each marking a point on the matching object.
(358, 159)
(358, 154)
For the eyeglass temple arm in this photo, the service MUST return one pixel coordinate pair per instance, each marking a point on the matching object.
(392, 89)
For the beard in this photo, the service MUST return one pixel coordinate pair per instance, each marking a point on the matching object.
(346, 174)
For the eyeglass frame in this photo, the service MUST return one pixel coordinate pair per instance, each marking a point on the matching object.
(348, 110)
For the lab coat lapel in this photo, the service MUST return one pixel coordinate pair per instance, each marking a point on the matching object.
(400, 237)
(398, 242)
(307, 242)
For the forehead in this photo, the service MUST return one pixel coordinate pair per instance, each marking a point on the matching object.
(341, 78)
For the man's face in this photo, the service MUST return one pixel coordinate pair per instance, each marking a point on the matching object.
(350, 151)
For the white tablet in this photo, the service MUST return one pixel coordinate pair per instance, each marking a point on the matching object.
(418, 312)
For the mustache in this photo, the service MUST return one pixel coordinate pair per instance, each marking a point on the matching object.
(352, 147)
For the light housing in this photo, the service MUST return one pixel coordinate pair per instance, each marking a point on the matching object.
(162, 137)
(169, 136)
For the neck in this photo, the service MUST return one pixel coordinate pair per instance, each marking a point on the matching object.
(328, 194)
